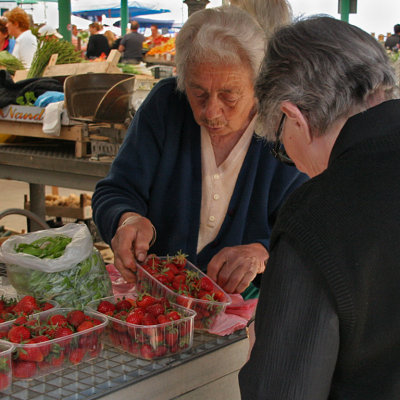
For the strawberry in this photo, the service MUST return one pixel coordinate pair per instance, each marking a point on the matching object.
(106, 307)
(123, 305)
(180, 260)
(156, 309)
(171, 267)
(20, 320)
(206, 284)
(184, 300)
(171, 336)
(160, 351)
(61, 332)
(75, 317)
(30, 353)
(145, 300)
(23, 369)
(162, 319)
(58, 320)
(45, 349)
(76, 355)
(149, 319)
(56, 359)
(5, 381)
(84, 326)
(46, 306)
(173, 315)
(26, 305)
(135, 317)
(219, 295)
(17, 334)
(147, 352)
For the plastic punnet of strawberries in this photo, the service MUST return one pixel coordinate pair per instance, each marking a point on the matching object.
(11, 308)
(146, 326)
(185, 285)
(46, 344)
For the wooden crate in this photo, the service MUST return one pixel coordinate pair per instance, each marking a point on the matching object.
(84, 211)
(108, 66)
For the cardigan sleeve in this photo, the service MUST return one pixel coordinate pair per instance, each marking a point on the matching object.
(297, 334)
(127, 186)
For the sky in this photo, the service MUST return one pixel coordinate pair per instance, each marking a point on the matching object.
(372, 15)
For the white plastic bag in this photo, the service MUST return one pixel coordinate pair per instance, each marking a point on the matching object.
(79, 249)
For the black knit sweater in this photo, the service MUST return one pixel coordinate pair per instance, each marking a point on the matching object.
(345, 224)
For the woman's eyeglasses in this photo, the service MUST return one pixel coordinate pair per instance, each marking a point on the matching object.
(278, 151)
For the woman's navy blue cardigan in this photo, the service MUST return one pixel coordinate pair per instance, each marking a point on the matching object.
(157, 173)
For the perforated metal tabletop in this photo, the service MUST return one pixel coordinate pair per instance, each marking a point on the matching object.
(110, 372)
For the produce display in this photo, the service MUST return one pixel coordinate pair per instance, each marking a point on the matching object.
(181, 282)
(47, 46)
(10, 62)
(5, 365)
(165, 48)
(73, 287)
(48, 343)
(146, 326)
(12, 308)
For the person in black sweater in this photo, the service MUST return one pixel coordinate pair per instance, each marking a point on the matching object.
(98, 43)
(393, 42)
(327, 323)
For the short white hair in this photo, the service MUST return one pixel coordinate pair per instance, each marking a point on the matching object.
(221, 35)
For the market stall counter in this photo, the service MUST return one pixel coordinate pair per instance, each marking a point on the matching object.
(209, 370)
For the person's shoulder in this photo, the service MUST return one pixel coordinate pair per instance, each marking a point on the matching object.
(165, 95)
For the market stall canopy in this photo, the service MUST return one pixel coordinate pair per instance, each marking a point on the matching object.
(147, 22)
(112, 8)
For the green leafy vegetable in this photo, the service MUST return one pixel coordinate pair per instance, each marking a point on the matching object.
(75, 287)
(10, 62)
(46, 48)
(28, 99)
(45, 247)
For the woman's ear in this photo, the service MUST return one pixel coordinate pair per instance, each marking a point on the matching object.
(298, 120)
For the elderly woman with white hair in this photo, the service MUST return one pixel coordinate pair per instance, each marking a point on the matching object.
(327, 323)
(191, 167)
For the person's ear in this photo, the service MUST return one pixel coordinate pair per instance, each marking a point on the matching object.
(299, 122)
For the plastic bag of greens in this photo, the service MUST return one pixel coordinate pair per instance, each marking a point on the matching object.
(59, 264)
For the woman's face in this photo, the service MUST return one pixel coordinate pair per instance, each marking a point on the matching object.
(221, 97)
(13, 29)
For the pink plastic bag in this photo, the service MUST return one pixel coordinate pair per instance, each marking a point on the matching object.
(235, 317)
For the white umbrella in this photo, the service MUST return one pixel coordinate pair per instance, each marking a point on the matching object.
(81, 23)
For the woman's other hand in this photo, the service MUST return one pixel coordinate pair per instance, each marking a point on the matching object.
(233, 268)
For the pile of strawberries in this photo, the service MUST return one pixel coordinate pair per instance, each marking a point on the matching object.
(39, 347)
(146, 327)
(188, 285)
(12, 308)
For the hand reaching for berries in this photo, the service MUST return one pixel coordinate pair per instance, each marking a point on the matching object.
(131, 242)
(233, 268)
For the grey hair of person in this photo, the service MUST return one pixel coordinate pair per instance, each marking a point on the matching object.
(328, 68)
(222, 35)
(269, 13)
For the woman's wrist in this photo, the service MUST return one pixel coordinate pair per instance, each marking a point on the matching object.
(132, 219)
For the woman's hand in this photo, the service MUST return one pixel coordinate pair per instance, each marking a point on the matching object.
(233, 268)
(131, 243)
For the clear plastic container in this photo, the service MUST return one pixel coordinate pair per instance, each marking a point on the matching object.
(4, 326)
(6, 349)
(148, 341)
(206, 310)
(35, 360)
